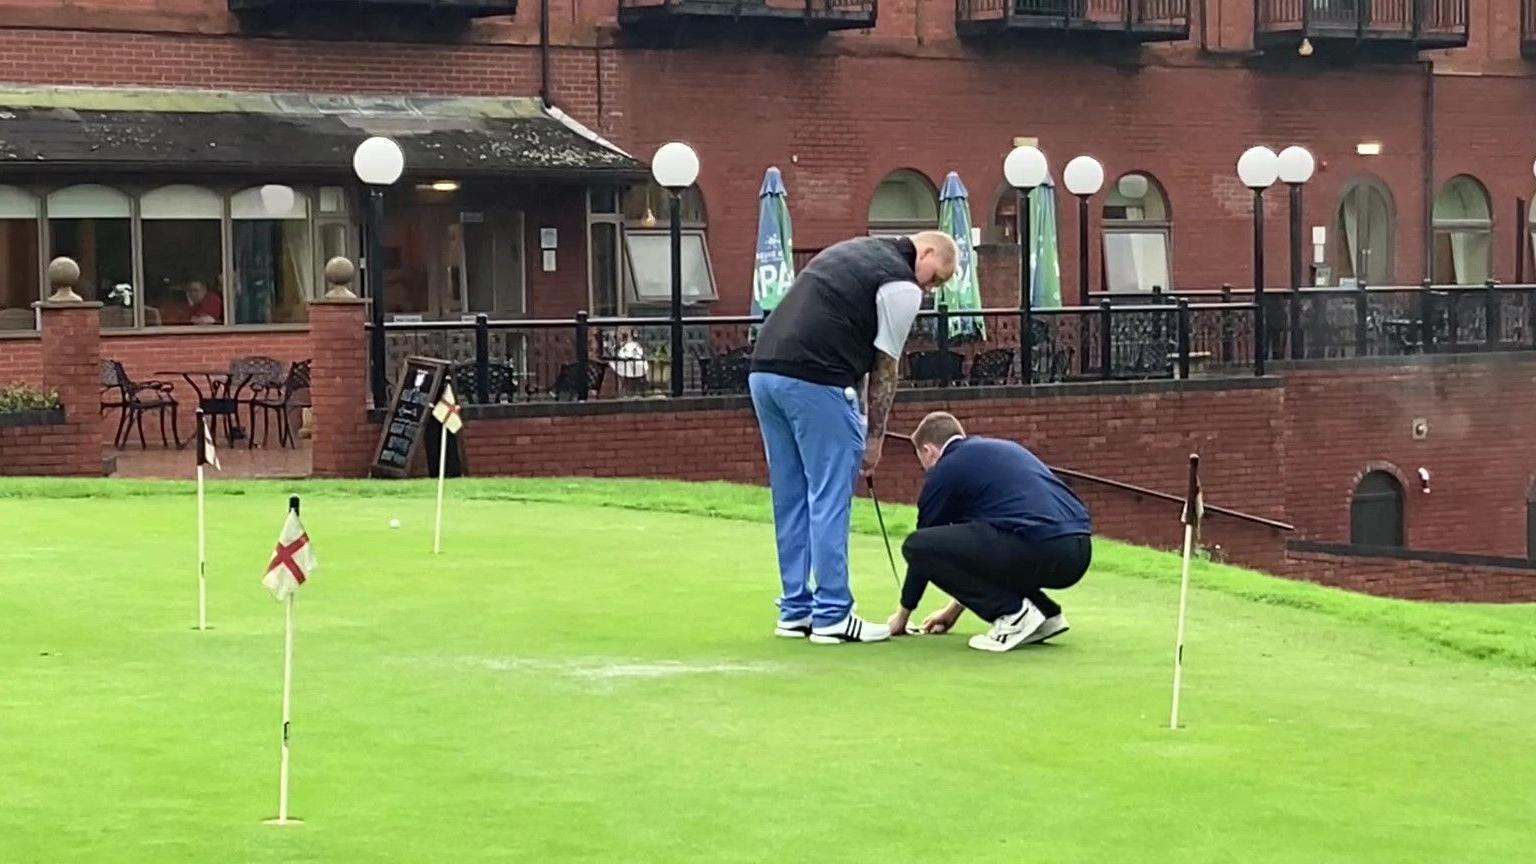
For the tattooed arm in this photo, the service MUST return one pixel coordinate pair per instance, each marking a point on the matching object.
(882, 392)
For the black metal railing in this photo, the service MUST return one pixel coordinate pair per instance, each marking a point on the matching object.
(1125, 15)
(585, 358)
(853, 11)
(471, 8)
(1371, 321)
(1373, 18)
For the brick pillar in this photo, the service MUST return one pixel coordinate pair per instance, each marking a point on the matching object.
(343, 440)
(71, 342)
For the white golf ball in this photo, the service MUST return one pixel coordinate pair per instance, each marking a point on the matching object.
(850, 394)
(394, 523)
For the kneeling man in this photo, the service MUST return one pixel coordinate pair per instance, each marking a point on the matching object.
(995, 526)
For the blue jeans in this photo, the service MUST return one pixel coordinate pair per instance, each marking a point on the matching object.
(814, 437)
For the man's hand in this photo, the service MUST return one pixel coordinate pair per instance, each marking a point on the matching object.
(872, 450)
(943, 620)
(898, 622)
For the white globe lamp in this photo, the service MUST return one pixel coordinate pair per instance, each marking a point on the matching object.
(1025, 167)
(1083, 176)
(276, 199)
(1258, 168)
(675, 166)
(1296, 165)
(378, 161)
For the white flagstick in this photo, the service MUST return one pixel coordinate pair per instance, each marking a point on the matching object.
(202, 556)
(442, 473)
(1192, 507)
(282, 800)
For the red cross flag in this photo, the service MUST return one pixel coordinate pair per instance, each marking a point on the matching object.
(292, 562)
(207, 454)
(446, 411)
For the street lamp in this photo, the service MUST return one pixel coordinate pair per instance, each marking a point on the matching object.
(1258, 168)
(1084, 177)
(378, 162)
(1025, 169)
(675, 167)
(1296, 166)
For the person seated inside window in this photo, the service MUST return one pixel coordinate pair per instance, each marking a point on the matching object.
(195, 304)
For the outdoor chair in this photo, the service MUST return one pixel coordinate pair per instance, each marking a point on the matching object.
(263, 378)
(134, 399)
(282, 402)
(993, 366)
(499, 386)
(568, 382)
(931, 367)
(725, 373)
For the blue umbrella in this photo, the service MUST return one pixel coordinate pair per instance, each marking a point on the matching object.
(774, 270)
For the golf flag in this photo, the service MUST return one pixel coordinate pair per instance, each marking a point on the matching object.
(207, 454)
(963, 292)
(774, 269)
(1194, 500)
(292, 561)
(446, 411)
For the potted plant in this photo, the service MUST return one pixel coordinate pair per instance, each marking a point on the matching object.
(21, 405)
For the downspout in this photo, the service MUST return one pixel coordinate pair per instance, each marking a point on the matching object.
(544, 92)
(1429, 169)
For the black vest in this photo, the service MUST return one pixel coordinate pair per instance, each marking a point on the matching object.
(824, 329)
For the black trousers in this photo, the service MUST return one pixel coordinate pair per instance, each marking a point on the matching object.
(991, 571)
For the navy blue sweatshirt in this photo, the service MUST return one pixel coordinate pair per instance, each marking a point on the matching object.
(1001, 483)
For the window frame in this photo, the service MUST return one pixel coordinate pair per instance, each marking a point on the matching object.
(903, 227)
(40, 236)
(1162, 228)
(629, 287)
(1448, 228)
(1363, 183)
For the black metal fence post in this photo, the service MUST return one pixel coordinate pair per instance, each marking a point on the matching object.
(1427, 316)
(676, 351)
(1493, 327)
(482, 359)
(1362, 321)
(1228, 334)
(1182, 323)
(582, 356)
(1453, 317)
(941, 338)
(1106, 341)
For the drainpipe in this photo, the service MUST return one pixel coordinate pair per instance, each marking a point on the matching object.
(1429, 169)
(544, 91)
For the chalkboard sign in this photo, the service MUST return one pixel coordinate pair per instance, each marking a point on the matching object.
(416, 390)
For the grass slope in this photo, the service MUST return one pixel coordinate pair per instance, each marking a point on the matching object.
(579, 679)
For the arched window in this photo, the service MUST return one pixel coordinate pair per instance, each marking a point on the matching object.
(94, 225)
(647, 262)
(1463, 233)
(1376, 511)
(273, 259)
(20, 284)
(904, 202)
(1136, 235)
(183, 241)
(1363, 232)
(1530, 524)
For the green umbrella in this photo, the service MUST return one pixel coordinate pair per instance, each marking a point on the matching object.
(963, 292)
(774, 270)
(1045, 282)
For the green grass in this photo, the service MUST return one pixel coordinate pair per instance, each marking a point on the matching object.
(586, 675)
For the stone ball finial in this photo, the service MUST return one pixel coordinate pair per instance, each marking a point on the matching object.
(63, 276)
(339, 273)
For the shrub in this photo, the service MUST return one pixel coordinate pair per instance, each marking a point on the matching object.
(16, 398)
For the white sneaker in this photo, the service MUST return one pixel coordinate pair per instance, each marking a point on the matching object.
(796, 629)
(1052, 626)
(851, 629)
(1009, 631)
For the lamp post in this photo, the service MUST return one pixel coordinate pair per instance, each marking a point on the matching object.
(675, 167)
(1296, 166)
(1258, 168)
(1025, 169)
(378, 162)
(1084, 177)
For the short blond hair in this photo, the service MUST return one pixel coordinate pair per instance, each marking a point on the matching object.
(940, 242)
(936, 428)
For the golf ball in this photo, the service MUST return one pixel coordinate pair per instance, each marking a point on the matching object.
(394, 523)
(850, 394)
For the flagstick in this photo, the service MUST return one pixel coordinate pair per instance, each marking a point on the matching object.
(442, 472)
(1178, 650)
(282, 801)
(1193, 507)
(202, 557)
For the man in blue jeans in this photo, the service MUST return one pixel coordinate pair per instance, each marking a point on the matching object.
(845, 320)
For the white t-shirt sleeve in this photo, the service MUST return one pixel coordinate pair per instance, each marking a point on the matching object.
(896, 305)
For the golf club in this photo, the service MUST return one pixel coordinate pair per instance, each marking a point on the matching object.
(911, 630)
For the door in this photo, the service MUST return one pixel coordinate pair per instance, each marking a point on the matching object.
(484, 265)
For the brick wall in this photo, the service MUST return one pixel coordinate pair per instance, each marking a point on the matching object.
(71, 332)
(35, 451)
(1425, 579)
(1341, 420)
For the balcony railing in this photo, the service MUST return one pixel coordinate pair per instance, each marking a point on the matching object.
(454, 8)
(1136, 20)
(810, 15)
(1407, 24)
(1528, 27)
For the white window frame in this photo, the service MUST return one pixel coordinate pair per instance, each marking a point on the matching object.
(630, 287)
